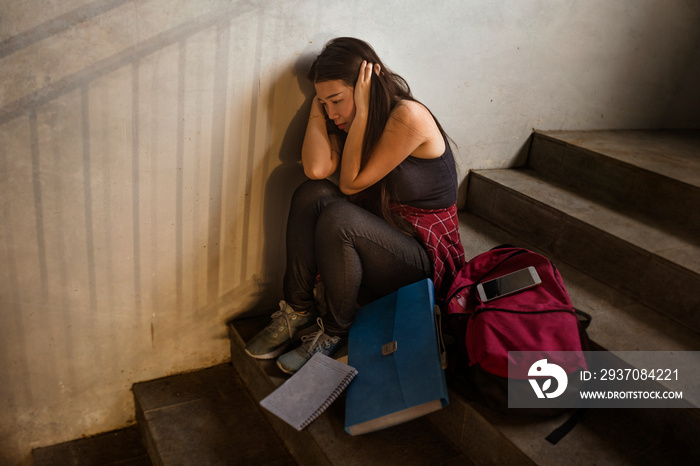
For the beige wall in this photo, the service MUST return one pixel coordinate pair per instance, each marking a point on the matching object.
(148, 150)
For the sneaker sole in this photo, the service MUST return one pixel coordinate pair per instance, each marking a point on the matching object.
(285, 370)
(342, 357)
(279, 351)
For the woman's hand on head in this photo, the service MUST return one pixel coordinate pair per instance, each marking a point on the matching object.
(362, 87)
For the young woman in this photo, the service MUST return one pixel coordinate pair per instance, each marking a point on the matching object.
(389, 221)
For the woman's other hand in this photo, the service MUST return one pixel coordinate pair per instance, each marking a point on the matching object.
(362, 87)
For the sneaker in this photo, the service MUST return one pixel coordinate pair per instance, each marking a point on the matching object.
(273, 340)
(318, 342)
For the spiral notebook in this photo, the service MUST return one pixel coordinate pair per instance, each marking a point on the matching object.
(305, 395)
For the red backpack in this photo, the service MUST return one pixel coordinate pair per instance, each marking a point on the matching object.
(539, 318)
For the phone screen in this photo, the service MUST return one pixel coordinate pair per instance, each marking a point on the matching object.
(507, 284)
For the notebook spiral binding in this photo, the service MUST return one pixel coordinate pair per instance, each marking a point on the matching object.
(331, 398)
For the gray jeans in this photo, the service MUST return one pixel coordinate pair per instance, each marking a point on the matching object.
(351, 248)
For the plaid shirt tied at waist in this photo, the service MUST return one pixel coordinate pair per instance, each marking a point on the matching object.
(438, 230)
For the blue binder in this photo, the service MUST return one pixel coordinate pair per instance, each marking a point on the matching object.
(393, 344)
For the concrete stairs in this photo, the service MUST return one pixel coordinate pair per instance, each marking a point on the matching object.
(205, 417)
(618, 214)
(324, 442)
(603, 436)
(623, 207)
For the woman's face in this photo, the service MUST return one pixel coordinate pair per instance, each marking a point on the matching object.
(338, 100)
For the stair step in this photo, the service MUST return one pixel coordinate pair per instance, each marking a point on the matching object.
(488, 437)
(122, 447)
(603, 436)
(641, 259)
(325, 442)
(205, 417)
(617, 212)
(620, 323)
(653, 173)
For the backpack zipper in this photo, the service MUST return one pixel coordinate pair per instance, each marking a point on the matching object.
(457, 291)
(481, 310)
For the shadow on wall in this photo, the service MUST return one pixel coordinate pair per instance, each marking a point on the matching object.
(284, 180)
(125, 178)
(147, 171)
(279, 183)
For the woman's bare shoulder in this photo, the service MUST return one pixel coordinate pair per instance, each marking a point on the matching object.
(413, 115)
(410, 110)
(416, 118)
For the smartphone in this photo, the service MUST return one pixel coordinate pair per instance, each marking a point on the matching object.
(508, 284)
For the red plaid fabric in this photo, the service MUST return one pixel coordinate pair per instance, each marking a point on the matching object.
(438, 230)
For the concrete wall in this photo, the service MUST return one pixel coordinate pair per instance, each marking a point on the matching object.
(148, 149)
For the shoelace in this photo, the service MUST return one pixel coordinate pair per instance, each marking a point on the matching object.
(313, 338)
(272, 328)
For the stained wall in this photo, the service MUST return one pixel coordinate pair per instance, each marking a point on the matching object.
(148, 150)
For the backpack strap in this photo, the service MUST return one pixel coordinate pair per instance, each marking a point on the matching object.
(502, 246)
(561, 431)
(584, 319)
(440, 337)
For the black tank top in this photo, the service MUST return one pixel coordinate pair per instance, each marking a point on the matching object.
(425, 183)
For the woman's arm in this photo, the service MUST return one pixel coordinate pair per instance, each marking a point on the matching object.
(410, 126)
(319, 153)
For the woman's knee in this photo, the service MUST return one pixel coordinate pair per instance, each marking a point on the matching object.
(312, 190)
(340, 219)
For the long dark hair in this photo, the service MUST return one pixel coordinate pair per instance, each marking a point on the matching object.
(340, 60)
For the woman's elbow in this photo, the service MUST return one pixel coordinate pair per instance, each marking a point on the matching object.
(316, 173)
(348, 190)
